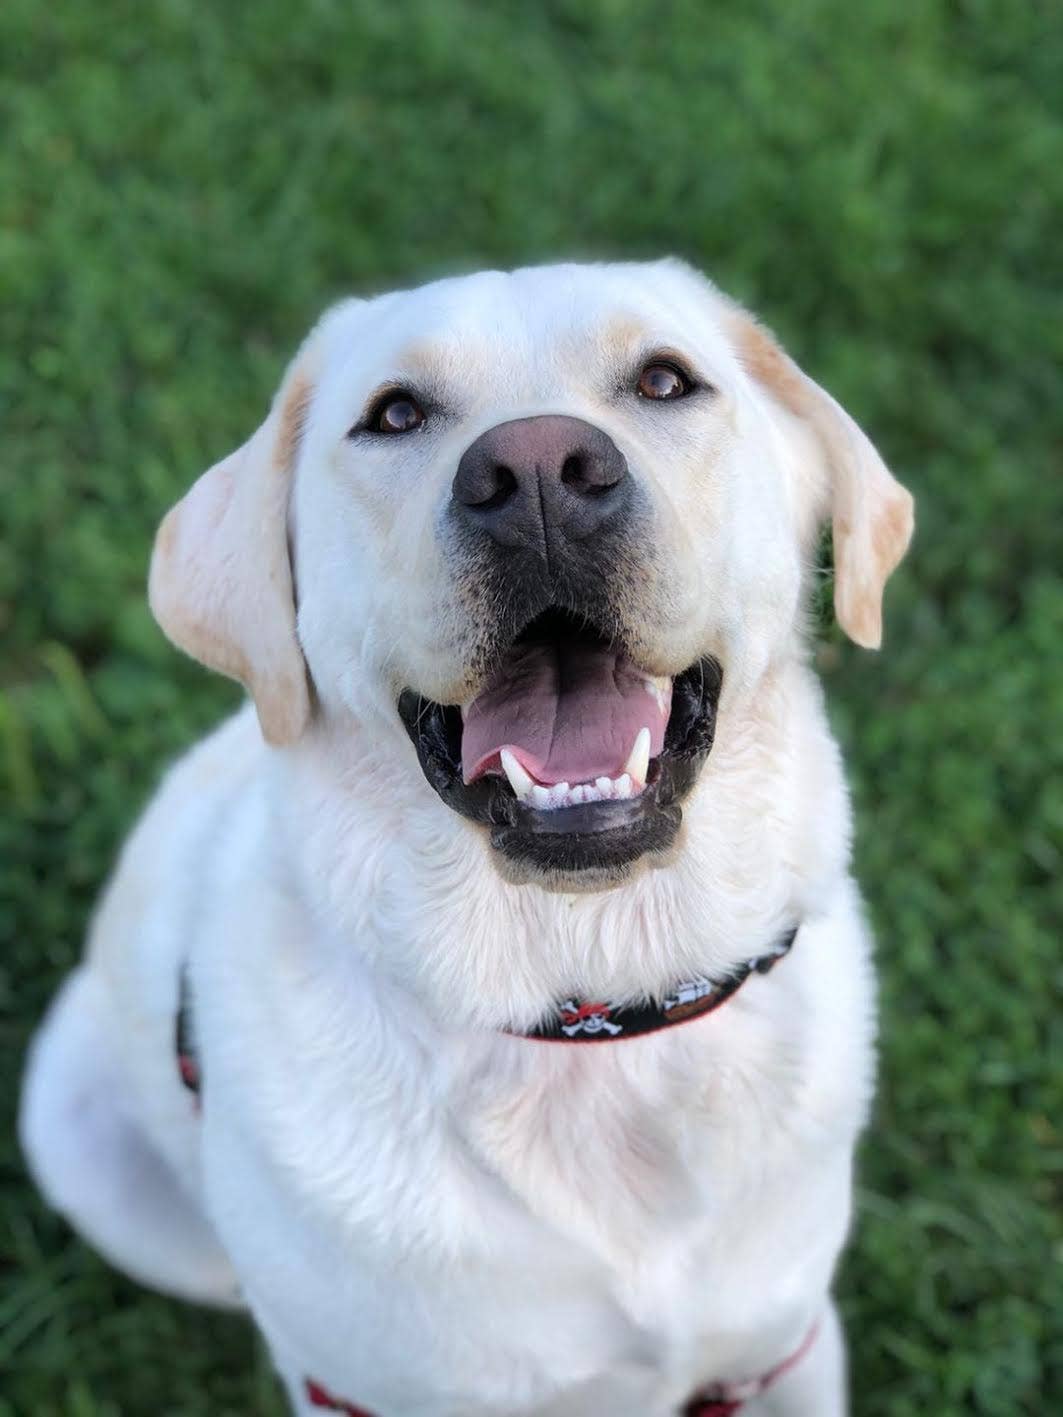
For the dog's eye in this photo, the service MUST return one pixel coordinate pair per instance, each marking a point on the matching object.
(662, 381)
(396, 412)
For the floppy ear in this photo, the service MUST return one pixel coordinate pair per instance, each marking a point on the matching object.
(221, 582)
(871, 513)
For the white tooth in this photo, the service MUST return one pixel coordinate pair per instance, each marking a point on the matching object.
(622, 787)
(559, 795)
(519, 780)
(604, 786)
(540, 796)
(657, 685)
(578, 796)
(638, 764)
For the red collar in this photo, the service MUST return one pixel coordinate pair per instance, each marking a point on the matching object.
(718, 1400)
(724, 1399)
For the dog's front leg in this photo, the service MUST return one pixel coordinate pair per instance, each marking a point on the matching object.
(814, 1387)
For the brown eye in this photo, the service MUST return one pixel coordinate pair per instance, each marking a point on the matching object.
(662, 381)
(397, 413)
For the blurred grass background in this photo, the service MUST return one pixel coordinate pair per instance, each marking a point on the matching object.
(183, 187)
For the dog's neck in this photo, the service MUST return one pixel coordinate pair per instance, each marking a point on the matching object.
(410, 887)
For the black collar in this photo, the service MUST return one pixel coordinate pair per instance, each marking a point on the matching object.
(573, 1021)
(586, 1021)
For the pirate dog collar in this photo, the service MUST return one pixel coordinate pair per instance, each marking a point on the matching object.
(585, 1021)
(574, 1020)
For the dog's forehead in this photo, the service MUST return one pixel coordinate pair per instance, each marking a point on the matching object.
(555, 312)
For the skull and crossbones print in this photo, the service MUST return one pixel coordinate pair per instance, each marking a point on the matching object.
(587, 1018)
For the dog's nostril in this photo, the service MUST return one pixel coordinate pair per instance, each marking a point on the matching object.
(589, 476)
(503, 484)
(573, 472)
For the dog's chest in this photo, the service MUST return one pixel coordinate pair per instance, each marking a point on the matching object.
(602, 1148)
(557, 1223)
(655, 1161)
(463, 1214)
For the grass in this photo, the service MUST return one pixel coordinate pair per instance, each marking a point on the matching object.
(183, 187)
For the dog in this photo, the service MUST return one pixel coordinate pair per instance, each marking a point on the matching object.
(487, 1007)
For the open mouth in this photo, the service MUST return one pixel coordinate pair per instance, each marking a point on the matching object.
(572, 755)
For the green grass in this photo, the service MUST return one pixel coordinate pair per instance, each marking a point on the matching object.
(184, 186)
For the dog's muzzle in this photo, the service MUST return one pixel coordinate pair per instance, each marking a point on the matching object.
(574, 756)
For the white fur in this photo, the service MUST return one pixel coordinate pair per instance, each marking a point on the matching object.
(428, 1216)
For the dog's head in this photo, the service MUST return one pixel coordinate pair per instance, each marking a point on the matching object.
(536, 519)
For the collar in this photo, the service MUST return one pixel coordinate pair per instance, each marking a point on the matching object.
(591, 1021)
(726, 1399)
(572, 1021)
(717, 1400)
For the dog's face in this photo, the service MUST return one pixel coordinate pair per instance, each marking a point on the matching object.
(536, 519)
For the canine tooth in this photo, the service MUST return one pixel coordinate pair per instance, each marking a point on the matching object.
(657, 685)
(638, 764)
(622, 786)
(540, 796)
(519, 780)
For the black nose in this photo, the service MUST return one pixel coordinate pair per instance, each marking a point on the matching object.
(537, 483)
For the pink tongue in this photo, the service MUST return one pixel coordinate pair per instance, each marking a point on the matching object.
(567, 712)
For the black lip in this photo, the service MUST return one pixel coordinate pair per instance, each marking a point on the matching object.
(595, 836)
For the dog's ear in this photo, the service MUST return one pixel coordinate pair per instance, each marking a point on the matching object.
(871, 513)
(221, 581)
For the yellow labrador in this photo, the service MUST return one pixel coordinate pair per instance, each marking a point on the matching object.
(489, 1009)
